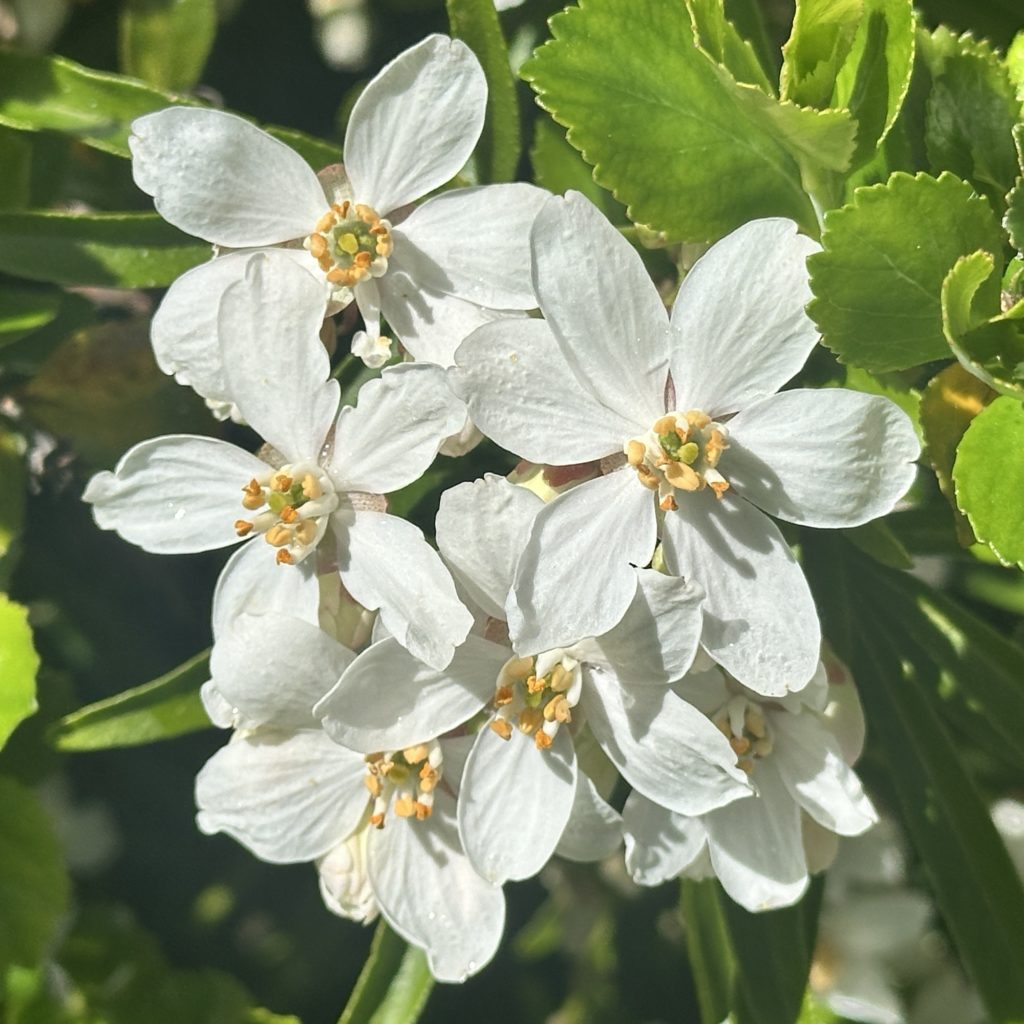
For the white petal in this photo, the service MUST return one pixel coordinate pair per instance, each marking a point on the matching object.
(706, 689)
(253, 582)
(273, 669)
(479, 238)
(217, 709)
(594, 829)
(184, 332)
(602, 306)
(385, 563)
(174, 494)
(287, 797)
(482, 527)
(756, 846)
(575, 578)
(657, 639)
(820, 845)
(367, 296)
(276, 366)
(221, 178)
(522, 394)
(415, 125)
(431, 896)
(844, 718)
(812, 767)
(391, 437)
(664, 747)
(760, 622)
(739, 330)
(514, 803)
(829, 458)
(660, 844)
(388, 700)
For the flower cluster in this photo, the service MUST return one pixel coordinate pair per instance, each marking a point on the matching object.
(632, 657)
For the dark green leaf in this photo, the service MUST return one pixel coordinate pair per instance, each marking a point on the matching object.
(158, 710)
(24, 310)
(719, 39)
(166, 42)
(877, 540)
(878, 282)
(15, 170)
(476, 23)
(19, 664)
(708, 947)
(1014, 220)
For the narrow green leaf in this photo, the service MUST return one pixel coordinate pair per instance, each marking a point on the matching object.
(989, 478)
(121, 250)
(34, 886)
(24, 310)
(708, 947)
(878, 282)
(719, 38)
(19, 664)
(877, 540)
(476, 23)
(166, 42)
(709, 156)
(15, 169)
(394, 984)
(158, 710)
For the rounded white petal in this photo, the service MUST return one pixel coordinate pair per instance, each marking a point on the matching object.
(345, 881)
(482, 527)
(575, 578)
(288, 797)
(663, 747)
(415, 125)
(760, 622)
(173, 495)
(479, 240)
(388, 700)
(602, 306)
(385, 563)
(829, 458)
(391, 436)
(844, 718)
(221, 178)
(594, 829)
(660, 844)
(276, 367)
(523, 395)
(430, 894)
(739, 330)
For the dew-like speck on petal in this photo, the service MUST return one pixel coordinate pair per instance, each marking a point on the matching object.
(179, 513)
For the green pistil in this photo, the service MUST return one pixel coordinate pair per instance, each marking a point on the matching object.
(672, 444)
(277, 500)
(352, 236)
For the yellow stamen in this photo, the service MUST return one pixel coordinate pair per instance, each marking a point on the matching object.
(281, 482)
(288, 514)
(502, 727)
(542, 740)
(243, 527)
(635, 452)
(311, 487)
(278, 536)
(404, 807)
(284, 557)
(416, 754)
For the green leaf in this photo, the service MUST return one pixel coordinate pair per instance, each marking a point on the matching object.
(819, 43)
(24, 310)
(119, 250)
(1015, 64)
(1014, 219)
(476, 23)
(34, 886)
(877, 540)
(878, 282)
(394, 984)
(166, 42)
(158, 710)
(975, 884)
(19, 664)
(719, 38)
(709, 157)
(15, 170)
(708, 947)
(989, 478)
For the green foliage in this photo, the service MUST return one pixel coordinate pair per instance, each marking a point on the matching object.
(989, 477)
(1014, 219)
(708, 947)
(157, 710)
(24, 310)
(15, 169)
(19, 664)
(166, 42)
(718, 37)
(878, 283)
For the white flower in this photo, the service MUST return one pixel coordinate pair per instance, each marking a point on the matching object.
(435, 273)
(797, 752)
(183, 493)
(694, 441)
(290, 794)
(523, 796)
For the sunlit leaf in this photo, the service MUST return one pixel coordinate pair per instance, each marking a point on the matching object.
(166, 42)
(19, 664)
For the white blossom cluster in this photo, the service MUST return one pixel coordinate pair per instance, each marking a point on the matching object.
(426, 724)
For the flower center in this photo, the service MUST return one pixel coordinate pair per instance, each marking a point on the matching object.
(536, 696)
(680, 453)
(291, 505)
(404, 780)
(351, 242)
(743, 724)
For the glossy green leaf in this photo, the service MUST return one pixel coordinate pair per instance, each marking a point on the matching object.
(24, 310)
(476, 23)
(878, 282)
(34, 886)
(710, 156)
(19, 664)
(166, 42)
(719, 38)
(158, 710)
(122, 250)
(394, 984)
(975, 884)
(708, 948)
(989, 478)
